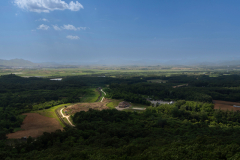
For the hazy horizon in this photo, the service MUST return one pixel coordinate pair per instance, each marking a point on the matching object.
(120, 32)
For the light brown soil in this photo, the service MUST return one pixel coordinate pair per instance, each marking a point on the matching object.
(183, 85)
(34, 125)
(224, 105)
(71, 110)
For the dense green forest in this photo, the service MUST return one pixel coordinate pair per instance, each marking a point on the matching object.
(200, 88)
(185, 130)
(19, 95)
(188, 129)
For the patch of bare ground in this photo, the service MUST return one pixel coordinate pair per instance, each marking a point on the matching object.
(71, 110)
(224, 105)
(183, 85)
(34, 125)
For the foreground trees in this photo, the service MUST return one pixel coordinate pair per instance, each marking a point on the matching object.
(185, 130)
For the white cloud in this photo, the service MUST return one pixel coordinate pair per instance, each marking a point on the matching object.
(47, 5)
(71, 27)
(43, 19)
(56, 27)
(72, 37)
(82, 28)
(43, 27)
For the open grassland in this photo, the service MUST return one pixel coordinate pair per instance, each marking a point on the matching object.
(113, 71)
(92, 97)
(114, 103)
(51, 112)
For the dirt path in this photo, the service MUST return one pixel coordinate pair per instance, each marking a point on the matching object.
(103, 97)
(34, 125)
(66, 117)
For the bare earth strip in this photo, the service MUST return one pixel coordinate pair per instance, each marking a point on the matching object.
(71, 110)
(34, 125)
(224, 105)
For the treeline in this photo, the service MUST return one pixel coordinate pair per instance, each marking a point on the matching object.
(156, 91)
(200, 88)
(120, 91)
(185, 130)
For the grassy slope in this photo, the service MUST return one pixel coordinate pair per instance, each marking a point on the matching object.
(91, 98)
(51, 112)
(103, 95)
(114, 103)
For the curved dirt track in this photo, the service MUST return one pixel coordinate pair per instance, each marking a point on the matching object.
(34, 125)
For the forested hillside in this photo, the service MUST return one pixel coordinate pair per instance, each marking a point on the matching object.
(185, 130)
(20, 95)
(188, 129)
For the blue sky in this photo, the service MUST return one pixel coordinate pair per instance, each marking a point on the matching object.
(113, 30)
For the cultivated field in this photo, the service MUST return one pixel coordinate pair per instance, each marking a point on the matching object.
(35, 125)
(224, 105)
(110, 71)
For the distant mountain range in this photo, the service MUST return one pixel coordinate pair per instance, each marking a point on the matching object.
(26, 64)
(17, 63)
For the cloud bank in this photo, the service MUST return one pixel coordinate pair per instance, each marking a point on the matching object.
(56, 27)
(47, 5)
(43, 19)
(73, 37)
(43, 27)
(71, 27)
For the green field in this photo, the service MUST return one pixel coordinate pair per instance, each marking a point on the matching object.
(116, 71)
(114, 103)
(92, 97)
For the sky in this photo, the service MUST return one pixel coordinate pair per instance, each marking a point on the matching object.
(110, 31)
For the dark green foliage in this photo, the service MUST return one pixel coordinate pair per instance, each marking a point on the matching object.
(186, 130)
(19, 95)
(200, 88)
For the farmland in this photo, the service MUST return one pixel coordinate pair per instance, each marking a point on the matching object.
(35, 125)
(117, 71)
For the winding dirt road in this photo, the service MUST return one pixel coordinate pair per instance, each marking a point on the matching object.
(103, 97)
(66, 117)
